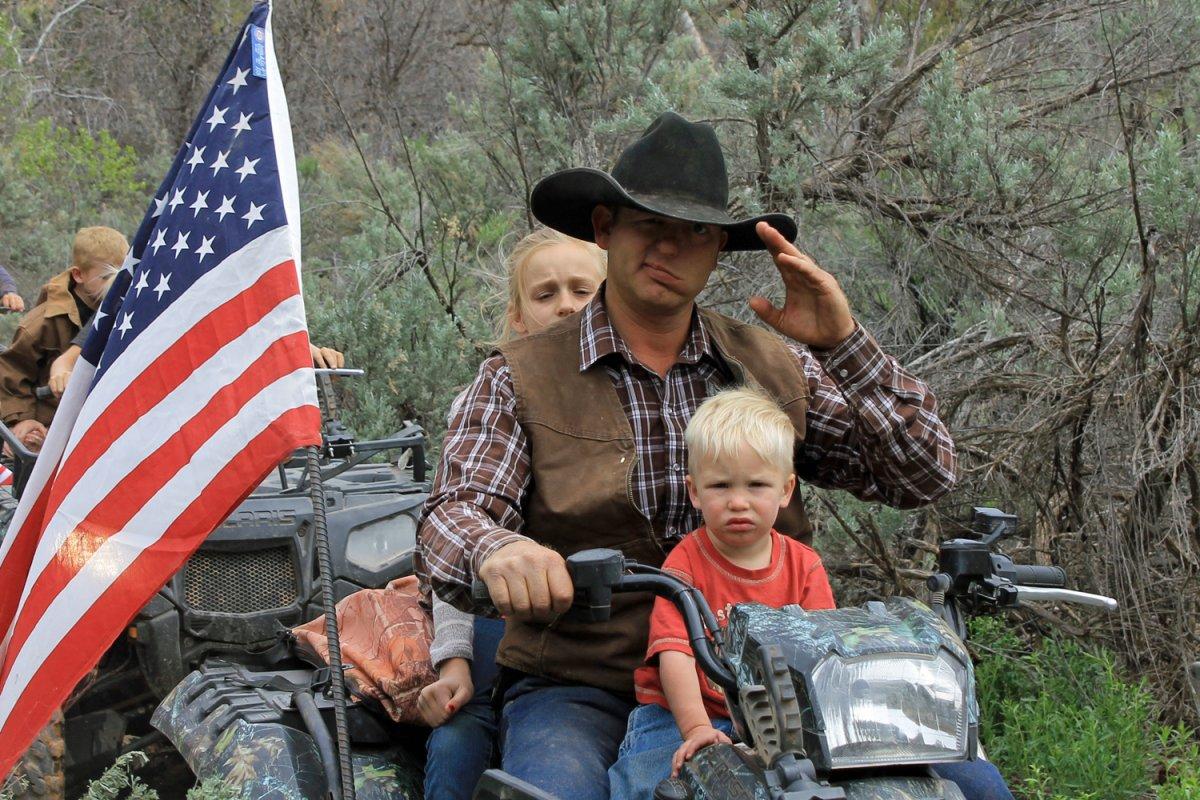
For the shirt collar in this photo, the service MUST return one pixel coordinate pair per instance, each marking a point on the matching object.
(598, 339)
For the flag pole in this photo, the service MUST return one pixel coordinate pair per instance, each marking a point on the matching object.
(337, 678)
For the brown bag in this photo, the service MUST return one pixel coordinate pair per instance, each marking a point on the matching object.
(385, 636)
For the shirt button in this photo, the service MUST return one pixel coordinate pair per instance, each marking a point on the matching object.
(843, 372)
(676, 467)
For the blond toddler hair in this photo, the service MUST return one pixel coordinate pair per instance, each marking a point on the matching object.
(734, 419)
(98, 246)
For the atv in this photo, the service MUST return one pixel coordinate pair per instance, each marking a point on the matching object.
(229, 607)
(848, 704)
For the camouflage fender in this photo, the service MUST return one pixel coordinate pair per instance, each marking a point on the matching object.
(268, 760)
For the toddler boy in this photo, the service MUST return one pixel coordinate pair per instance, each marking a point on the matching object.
(739, 446)
(66, 304)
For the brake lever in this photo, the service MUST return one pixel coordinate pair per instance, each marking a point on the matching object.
(1028, 594)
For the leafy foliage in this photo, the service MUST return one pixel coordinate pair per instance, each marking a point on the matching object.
(1063, 721)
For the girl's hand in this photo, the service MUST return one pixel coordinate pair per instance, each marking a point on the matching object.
(696, 740)
(13, 302)
(442, 699)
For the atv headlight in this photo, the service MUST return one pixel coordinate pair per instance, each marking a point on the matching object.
(890, 709)
(378, 545)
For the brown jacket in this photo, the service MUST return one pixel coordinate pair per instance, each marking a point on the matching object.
(580, 497)
(45, 331)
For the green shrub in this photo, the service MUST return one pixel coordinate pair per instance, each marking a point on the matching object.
(1062, 721)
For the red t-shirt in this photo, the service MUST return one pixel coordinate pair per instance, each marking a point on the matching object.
(795, 575)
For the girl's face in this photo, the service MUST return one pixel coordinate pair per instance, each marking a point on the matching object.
(559, 280)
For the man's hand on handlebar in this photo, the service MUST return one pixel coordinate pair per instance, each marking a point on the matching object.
(527, 581)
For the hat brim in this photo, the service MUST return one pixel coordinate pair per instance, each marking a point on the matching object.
(564, 201)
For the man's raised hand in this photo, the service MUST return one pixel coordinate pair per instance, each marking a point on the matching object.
(815, 311)
(528, 581)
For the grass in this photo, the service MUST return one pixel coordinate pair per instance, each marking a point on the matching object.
(1063, 722)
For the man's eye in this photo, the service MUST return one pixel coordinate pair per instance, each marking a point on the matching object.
(699, 228)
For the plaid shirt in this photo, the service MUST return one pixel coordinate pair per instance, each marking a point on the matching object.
(872, 429)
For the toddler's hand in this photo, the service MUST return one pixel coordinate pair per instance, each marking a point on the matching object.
(696, 740)
(442, 699)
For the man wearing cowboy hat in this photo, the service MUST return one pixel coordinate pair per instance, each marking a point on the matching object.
(572, 438)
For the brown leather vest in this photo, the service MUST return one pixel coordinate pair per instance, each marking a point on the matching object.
(581, 497)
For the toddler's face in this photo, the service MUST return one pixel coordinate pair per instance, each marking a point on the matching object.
(559, 280)
(740, 497)
(92, 282)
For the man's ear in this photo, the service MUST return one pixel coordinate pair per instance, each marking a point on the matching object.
(691, 487)
(789, 486)
(603, 218)
(724, 239)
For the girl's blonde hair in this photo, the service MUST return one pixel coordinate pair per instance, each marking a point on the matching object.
(737, 418)
(519, 257)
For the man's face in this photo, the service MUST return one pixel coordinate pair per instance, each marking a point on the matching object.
(656, 264)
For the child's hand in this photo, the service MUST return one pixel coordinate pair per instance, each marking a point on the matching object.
(61, 369)
(442, 699)
(696, 740)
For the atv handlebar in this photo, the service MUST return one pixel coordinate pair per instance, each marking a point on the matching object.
(598, 574)
(1038, 576)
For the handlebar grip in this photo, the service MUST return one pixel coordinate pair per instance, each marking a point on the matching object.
(480, 595)
(1033, 575)
(43, 393)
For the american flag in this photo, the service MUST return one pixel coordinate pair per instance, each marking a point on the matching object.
(195, 384)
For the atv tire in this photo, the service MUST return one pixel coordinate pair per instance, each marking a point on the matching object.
(42, 765)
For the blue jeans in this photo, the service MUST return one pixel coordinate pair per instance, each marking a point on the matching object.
(562, 738)
(979, 780)
(644, 758)
(459, 751)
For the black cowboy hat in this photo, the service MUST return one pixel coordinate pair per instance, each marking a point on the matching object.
(675, 169)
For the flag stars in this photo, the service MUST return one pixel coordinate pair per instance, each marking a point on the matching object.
(141, 283)
(160, 239)
(239, 79)
(226, 207)
(176, 199)
(126, 324)
(197, 158)
(200, 204)
(205, 248)
(164, 285)
(254, 214)
(181, 243)
(219, 163)
(247, 168)
(159, 204)
(243, 124)
(217, 118)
